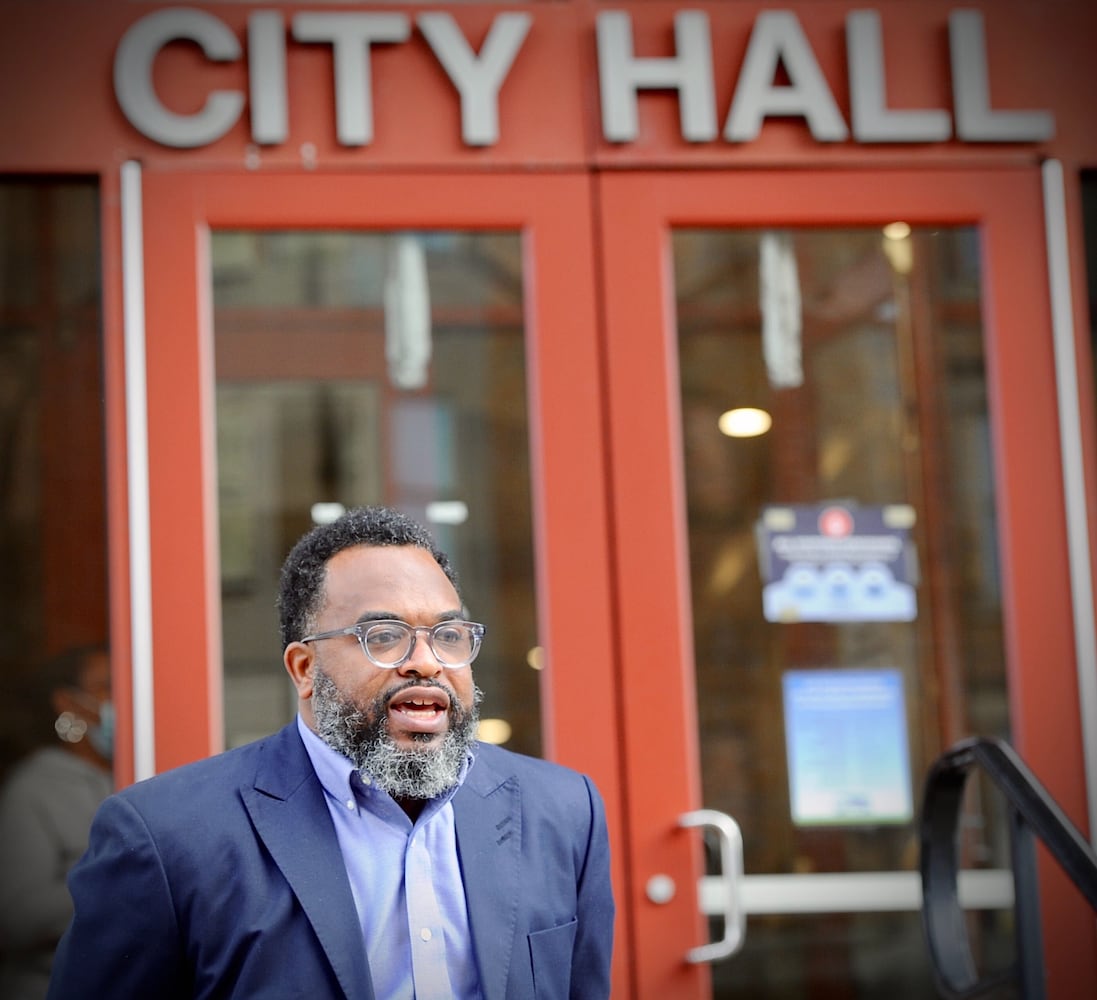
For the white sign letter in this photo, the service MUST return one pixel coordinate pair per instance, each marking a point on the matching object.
(267, 78)
(477, 79)
(975, 121)
(133, 78)
(873, 121)
(778, 38)
(350, 36)
(621, 75)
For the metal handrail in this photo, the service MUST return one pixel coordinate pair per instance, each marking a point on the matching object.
(1032, 811)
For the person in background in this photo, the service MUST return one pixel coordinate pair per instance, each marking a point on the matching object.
(372, 849)
(46, 807)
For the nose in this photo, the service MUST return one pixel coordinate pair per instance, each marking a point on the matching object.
(421, 660)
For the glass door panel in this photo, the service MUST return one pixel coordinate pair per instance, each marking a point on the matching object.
(53, 477)
(843, 571)
(809, 615)
(374, 367)
(272, 387)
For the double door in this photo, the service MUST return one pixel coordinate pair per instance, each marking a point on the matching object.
(756, 640)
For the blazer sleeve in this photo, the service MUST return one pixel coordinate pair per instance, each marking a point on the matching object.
(590, 978)
(124, 939)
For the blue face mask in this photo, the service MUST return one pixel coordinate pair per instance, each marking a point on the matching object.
(101, 735)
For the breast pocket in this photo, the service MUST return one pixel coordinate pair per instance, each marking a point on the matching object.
(550, 955)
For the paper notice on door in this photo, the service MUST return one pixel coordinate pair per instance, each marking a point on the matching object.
(837, 562)
(846, 741)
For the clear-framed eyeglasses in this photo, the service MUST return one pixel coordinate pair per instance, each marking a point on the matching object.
(390, 643)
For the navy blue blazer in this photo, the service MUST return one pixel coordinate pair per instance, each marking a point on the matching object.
(224, 878)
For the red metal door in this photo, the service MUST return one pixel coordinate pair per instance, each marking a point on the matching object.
(679, 646)
(549, 217)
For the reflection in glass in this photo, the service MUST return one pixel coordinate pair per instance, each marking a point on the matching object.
(56, 732)
(373, 367)
(866, 350)
(53, 591)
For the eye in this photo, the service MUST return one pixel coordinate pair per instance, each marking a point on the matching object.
(385, 636)
(451, 635)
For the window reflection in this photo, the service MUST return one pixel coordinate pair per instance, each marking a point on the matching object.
(865, 350)
(373, 367)
(56, 723)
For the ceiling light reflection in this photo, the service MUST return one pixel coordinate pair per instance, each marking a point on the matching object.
(897, 230)
(448, 512)
(898, 247)
(744, 422)
(495, 731)
(325, 513)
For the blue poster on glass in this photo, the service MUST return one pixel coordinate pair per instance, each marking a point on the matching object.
(846, 741)
(837, 562)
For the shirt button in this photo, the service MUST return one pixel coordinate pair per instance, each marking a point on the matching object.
(425, 934)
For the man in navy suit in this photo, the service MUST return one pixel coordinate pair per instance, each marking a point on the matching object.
(371, 848)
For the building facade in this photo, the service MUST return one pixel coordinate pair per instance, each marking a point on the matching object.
(530, 271)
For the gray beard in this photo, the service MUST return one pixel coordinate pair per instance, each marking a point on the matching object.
(361, 734)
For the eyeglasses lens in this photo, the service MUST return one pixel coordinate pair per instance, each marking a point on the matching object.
(390, 642)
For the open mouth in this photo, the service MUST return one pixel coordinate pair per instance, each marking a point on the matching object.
(420, 709)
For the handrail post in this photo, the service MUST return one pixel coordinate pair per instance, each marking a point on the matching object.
(942, 916)
(1026, 891)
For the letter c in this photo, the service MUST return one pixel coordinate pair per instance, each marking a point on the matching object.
(133, 78)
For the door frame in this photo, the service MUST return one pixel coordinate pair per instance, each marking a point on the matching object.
(637, 212)
(601, 302)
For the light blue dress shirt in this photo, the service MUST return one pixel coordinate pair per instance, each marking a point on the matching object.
(406, 882)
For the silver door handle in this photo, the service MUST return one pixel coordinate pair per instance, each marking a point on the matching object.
(731, 874)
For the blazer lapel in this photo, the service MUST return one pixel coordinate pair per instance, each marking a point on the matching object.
(487, 818)
(290, 814)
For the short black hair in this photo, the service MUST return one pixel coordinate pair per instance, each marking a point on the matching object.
(66, 669)
(301, 588)
(34, 693)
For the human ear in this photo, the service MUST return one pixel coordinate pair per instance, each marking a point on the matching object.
(297, 658)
